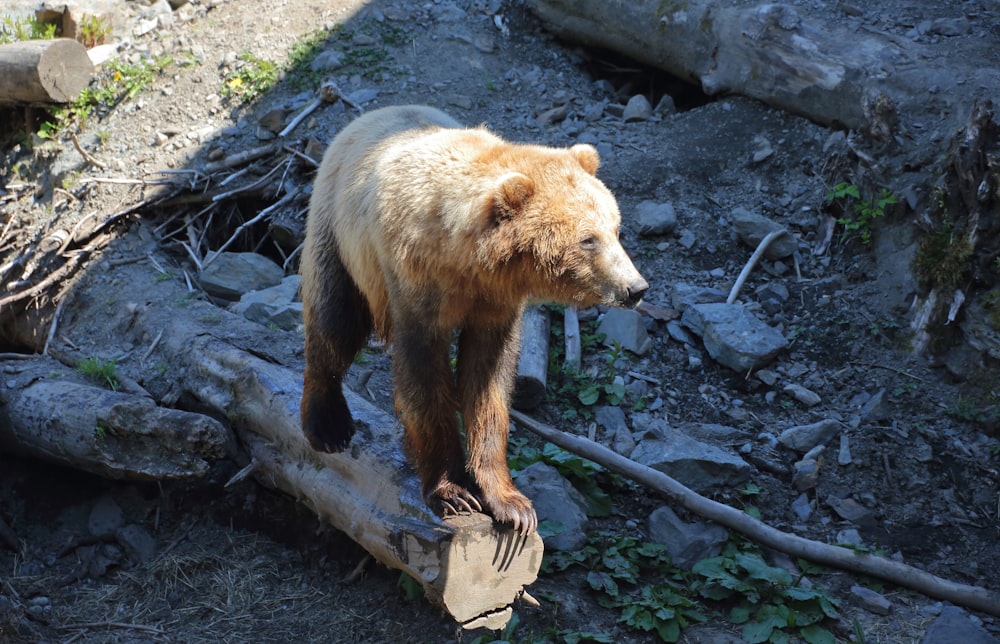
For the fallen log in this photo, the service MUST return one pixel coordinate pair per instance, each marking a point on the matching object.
(467, 564)
(43, 71)
(975, 597)
(533, 364)
(48, 412)
(773, 53)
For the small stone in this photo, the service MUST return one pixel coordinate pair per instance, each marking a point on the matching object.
(850, 510)
(803, 438)
(871, 600)
(805, 396)
(655, 218)
(762, 149)
(805, 475)
(802, 507)
(637, 109)
(626, 328)
(105, 517)
(844, 453)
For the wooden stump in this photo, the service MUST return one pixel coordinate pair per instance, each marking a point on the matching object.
(43, 71)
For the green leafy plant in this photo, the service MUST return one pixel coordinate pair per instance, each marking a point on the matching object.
(858, 214)
(577, 470)
(103, 371)
(634, 578)
(765, 599)
(93, 30)
(251, 78)
(20, 29)
(100, 433)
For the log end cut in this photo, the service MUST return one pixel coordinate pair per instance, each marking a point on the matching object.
(43, 71)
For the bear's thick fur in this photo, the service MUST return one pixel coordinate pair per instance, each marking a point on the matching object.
(419, 228)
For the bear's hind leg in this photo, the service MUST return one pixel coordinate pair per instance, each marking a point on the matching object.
(425, 395)
(337, 325)
(487, 365)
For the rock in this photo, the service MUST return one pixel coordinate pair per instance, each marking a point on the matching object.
(677, 331)
(327, 60)
(803, 438)
(555, 499)
(805, 474)
(844, 453)
(951, 27)
(687, 239)
(626, 328)
(761, 148)
(637, 109)
(137, 542)
(802, 507)
(805, 396)
(687, 543)
(362, 96)
(683, 295)
(696, 464)
(733, 336)
(751, 228)
(954, 625)
(848, 537)
(610, 418)
(231, 275)
(876, 409)
(655, 218)
(552, 116)
(623, 442)
(274, 306)
(665, 106)
(850, 510)
(871, 600)
(105, 518)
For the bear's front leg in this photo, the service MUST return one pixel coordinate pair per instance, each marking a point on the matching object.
(425, 396)
(487, 365)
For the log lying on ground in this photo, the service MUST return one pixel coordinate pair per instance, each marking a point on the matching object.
(533, 365)
(974, 597)
(216, 363)
(773, 53)
(43, 71)
(48, 413)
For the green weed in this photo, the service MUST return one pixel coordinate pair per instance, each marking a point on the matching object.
(20, 29)
(93, 30)
(253, 77)
(857, 214)
(103, 371)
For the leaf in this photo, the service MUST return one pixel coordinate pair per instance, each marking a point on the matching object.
(757, 568)
(589, 395)
(740, 614)
(550, 528)
(816, 634)
(756, 632)
(602, 581)
(669, 631)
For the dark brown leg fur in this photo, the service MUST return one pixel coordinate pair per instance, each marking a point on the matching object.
(337, 326)
(425, 396)
(487, 364)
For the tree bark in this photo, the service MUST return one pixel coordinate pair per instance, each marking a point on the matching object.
(43, 71)
(773, 53)
(208, 360)
(533, 364)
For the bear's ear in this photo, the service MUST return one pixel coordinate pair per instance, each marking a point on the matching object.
(512, 192)
(587, 157)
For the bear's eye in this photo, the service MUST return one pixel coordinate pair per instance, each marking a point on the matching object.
(589, 244)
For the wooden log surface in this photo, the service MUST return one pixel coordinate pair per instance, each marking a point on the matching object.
(43, 71)
(49, 412)
(776, 54)
(218, 363)
(533, 363)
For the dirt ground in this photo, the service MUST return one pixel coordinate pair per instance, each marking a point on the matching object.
(247, 564)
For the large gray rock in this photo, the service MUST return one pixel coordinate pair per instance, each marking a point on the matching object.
(687, 543)
(803, 438)
(684, 295)
(733, 336)
(626, 328)
(695, 464)
(230, 275)
(954, 625)
(274, 306)
(751, 228)
(555, 499)
(655, 218)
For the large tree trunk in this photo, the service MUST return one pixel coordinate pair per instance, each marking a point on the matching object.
(206, 360)
(773, 53)
(43, 71)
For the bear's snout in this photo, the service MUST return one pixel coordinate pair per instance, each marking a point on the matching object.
(634, 292)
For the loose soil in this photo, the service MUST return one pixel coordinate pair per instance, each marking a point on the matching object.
(246, 564)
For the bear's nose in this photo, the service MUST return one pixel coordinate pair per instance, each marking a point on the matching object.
(635, 291)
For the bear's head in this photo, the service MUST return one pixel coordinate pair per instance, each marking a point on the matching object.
(553, 223)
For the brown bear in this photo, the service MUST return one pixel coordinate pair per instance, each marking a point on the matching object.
(418, 229)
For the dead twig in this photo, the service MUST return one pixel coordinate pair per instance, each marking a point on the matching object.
(975, 597)
(86, 155)
(757, 254)
(260, 216)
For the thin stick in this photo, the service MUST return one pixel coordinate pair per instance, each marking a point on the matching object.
(152, 347)
(302, 155)
(137, 627)
(52, 327)
(757, 254)
(86, 156)
(982, 599)
(301, 117)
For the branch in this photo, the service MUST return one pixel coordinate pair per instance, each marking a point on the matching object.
(974, 597)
